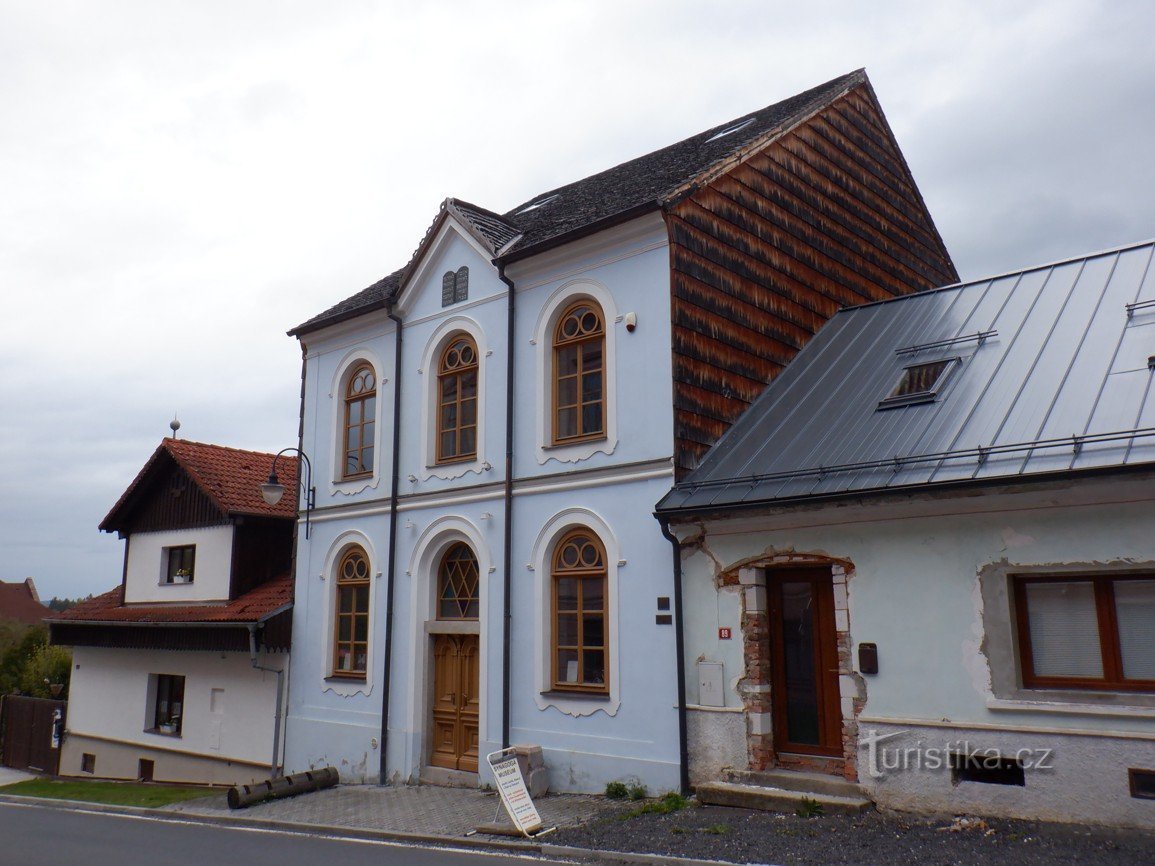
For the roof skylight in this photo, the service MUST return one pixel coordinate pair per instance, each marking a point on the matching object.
(541, 202)
(730, 130)
(920, 383)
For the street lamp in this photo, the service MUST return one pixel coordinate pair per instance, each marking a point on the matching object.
(272, 490)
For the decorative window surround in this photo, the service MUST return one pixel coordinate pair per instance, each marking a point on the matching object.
(541, 559)
(342, 686)
(339, 484)
(448, 330)
(555, 306)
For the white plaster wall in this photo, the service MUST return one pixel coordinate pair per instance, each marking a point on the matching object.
(109, 691)
(915, 593)
(716, 741)
(147, 564)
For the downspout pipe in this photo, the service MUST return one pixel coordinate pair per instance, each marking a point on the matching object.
(507, 547)
(383, 778)
(680, 653)
(254, 660)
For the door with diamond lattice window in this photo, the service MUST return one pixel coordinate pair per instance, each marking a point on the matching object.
(456, 662)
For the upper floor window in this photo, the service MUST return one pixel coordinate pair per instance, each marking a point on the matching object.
(579, 581)
(457, 401)
(455, 286)
(360, 421)
(351, 646)
(180, 563)
(457, 584)
(1087, 631)
(579, 407)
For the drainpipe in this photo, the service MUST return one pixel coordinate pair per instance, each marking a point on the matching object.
(680, 652)
(254, 660)
(383, 778)
(507, 554)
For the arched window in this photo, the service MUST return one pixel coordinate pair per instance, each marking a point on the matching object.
(458, 584)
(457, 401)
(578, 576)
(351, 643)
(579, 342)
(360, 421)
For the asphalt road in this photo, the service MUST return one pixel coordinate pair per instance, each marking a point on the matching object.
(45, 836)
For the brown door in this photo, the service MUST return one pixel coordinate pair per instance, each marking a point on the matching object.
(456, 672)
(804, 654)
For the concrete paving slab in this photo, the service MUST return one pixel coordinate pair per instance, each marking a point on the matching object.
(8, 776)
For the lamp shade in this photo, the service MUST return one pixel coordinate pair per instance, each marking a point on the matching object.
(272, 491)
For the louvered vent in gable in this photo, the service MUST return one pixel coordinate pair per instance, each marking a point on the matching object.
(455, 286)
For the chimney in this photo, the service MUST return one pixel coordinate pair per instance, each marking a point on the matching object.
(32, 589)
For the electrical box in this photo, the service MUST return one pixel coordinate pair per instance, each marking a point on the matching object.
(868, 658)
(710, 684)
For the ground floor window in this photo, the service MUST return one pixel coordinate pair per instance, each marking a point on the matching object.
(579, 614)
(351, 629)
(1087, 631)
(168, 706)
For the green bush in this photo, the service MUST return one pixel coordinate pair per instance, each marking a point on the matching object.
(617, 791)
(638, 791)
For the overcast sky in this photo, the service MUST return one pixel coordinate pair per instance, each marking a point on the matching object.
(180, 183)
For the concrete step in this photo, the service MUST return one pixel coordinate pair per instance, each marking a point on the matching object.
(770, 799)
(795, 780)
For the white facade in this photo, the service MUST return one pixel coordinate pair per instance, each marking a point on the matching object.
(929, 580)
(607, 486)
(145, 578)
(227, 714)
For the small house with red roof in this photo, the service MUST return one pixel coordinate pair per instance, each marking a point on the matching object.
(20, 602)
(179, 670)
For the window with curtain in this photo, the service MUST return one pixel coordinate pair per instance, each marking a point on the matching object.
(1087, 631)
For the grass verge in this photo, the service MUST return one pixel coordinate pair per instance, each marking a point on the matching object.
(110, 793)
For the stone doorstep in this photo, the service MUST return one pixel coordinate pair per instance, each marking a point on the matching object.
(798, 780)
(768, 799)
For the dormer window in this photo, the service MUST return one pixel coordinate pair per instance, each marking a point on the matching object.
(455, 286)
(180, 563)
(920, 383)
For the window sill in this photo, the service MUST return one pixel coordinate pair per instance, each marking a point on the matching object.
(1076, 704)
(576, 695)
(159, 733)
(345, 678)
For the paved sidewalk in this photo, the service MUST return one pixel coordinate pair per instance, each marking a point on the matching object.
(9, 776)
(417, 810)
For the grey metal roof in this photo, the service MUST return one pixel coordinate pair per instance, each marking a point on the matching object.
(611, 196)
(1063, 384)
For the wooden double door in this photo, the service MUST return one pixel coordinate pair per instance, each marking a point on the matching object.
(804, 662)
(456, 674)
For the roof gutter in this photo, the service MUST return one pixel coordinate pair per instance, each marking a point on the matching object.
(383, 777)
(581, 232)
(680, 658)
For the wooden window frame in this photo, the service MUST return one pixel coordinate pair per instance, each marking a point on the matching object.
(1109, 646)
(458, 372)
(559, 572)
(173, 557)
(342, 582)
(561, 342)
(168, 686)
(443, 576)
(349, 400)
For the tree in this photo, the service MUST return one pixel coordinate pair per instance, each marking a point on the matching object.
(29, 660)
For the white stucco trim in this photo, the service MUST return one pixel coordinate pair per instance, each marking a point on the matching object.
(347, 688)
(337, 485)
(541, 556)
(427, 552)
(446, 331)
(562, 297)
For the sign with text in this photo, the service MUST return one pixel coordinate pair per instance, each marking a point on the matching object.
(514, 794)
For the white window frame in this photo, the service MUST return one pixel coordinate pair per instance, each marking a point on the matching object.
(329, 683)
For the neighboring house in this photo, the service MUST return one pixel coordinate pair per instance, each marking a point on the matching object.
(931, 539)
(178, 672)
(20, 602)
(491, 425)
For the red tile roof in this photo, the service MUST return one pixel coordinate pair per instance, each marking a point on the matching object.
(254, 606)
(19, 601)
(230, 477)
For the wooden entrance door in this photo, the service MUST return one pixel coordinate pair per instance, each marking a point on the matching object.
(804, 656)
(456, 674)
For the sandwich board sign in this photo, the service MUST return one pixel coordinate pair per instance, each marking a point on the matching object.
(513, 791)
